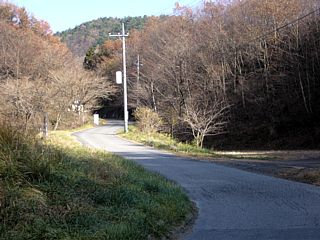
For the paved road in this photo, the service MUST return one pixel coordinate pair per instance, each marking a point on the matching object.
(233, 204)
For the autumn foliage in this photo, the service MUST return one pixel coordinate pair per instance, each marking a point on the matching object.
(39, 75)
(246, 69)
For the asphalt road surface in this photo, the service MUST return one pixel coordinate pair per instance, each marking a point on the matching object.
(233, 204)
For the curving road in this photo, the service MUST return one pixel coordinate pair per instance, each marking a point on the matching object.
(233, 204)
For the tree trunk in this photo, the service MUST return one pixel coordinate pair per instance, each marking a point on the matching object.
(58, 119)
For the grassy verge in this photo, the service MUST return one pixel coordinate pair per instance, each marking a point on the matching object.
(61, 190)
(261, 162)
(310, 176)
(166, 142)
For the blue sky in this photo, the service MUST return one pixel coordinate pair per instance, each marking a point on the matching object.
(64, 14)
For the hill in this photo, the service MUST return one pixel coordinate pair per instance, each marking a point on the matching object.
(86, 35)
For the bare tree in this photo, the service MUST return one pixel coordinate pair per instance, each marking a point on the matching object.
(76, 86)
(205, 118)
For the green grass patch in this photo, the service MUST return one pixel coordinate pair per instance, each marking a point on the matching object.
(61, 190)
(166, 142)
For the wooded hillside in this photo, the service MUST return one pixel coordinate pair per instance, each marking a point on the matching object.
(245, 73)
(92, 33)
(229, 74)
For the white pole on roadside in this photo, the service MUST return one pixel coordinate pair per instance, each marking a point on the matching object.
(125, 101)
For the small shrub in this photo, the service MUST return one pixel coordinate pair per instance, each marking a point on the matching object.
(148, 120)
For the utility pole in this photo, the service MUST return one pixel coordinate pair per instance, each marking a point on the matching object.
(125, 101)
(138, 78)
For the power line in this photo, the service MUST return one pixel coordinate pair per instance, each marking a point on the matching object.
(277, 29)
(274, 30)
(285, 25)
(265, 34)
(243, 3)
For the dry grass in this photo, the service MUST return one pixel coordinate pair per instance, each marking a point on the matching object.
(311, 176)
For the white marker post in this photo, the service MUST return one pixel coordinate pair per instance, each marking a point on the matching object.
(96, 119)
(119, 77)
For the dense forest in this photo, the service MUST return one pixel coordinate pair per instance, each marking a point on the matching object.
(95, 32)
(241, 74)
